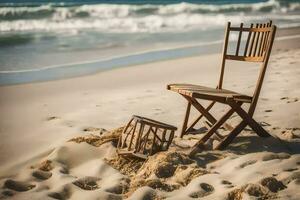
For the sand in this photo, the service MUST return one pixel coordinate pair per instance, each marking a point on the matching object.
(56, 140)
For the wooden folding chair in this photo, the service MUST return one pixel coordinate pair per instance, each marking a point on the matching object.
(257, 49)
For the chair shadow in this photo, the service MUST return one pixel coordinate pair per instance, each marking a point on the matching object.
(253, 144)
(249, 144)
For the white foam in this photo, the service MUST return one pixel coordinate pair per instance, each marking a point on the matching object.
(142, 18)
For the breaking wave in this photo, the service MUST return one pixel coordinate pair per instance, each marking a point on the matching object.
(139, 18)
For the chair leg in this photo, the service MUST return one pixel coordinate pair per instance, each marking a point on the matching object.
(211, 131)
(200, 116)
(202, 110)
(186, 119)
(250, 121)
(231, 136)
(217, 125)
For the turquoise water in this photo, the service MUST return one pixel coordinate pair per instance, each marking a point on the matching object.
(71, 38)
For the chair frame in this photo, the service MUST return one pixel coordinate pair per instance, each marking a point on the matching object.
(143, 137)
(257, 49)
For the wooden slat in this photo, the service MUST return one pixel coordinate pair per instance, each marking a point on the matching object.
(140, 133)
(219, 95)
(146, 139)
(153, 141)
(132, 135)
(256, 29)
(257, 41)
(127, 135)
(260, 52)
(267, 37)
(154, 122)
(247, 43)
(242, 58)
(239, 41)
(120, 142)
(252, 42)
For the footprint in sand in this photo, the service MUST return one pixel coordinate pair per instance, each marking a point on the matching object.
(272, 184)
(69, 123)
(64, 193)
(42, 175)
(87, 183)
(293, 100)
(264, 124)
(273, 156)
(295, 176)
(52, 118)
(93, 129)
(8, 193)
(227, 183)
(249, 162)
(268, 110)
(19, 186)
(290, 100)
(257, 191)
(206, 190)
(290, 169)
(64, 170)
(119, 189)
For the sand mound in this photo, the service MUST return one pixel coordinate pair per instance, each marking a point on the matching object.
(97, 140)
(164, 164)
(46, 165)
(125, 166)
(165, 171)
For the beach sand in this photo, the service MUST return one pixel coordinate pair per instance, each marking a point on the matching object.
(37, 121)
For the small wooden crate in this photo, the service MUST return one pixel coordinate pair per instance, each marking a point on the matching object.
(143, 137)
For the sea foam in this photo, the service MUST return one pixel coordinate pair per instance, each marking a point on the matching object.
(141, 18)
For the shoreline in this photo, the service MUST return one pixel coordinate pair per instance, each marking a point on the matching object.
(71, 70)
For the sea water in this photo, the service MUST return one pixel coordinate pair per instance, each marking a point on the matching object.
(44, 40)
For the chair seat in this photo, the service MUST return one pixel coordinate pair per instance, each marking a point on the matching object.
(202, 92)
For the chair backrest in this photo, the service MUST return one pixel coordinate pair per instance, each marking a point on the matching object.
(259, 42)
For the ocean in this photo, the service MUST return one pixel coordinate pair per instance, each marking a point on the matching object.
(45, 40)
